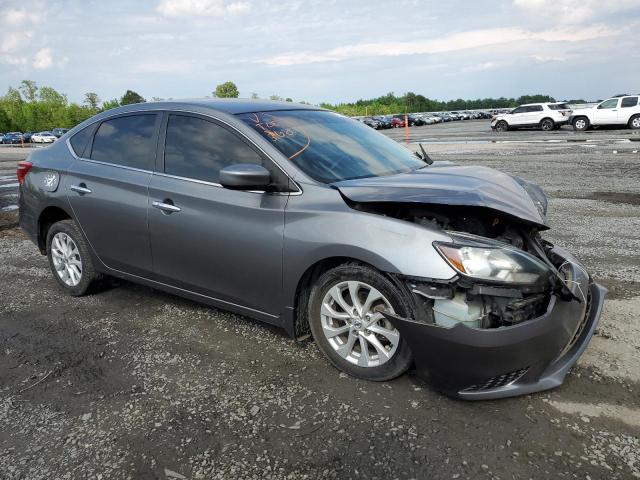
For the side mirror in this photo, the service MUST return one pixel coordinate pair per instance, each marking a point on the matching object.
(245, 176)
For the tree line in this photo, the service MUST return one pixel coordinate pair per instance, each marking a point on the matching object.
(32, 108)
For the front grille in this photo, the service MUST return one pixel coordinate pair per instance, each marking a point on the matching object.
(498, 381)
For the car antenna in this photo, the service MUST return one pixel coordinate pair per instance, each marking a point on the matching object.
(425, 157)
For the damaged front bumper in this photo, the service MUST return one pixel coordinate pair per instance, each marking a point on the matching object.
(535, 355)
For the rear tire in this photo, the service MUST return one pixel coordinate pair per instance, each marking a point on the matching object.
(366, 348)
(69, 258)
(634, 122)
(580, 124)
(546, 125)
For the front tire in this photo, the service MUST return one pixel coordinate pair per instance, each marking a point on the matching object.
(502, 126)
(345, 320)
(634, 122)
(580, 124)
(69, 258)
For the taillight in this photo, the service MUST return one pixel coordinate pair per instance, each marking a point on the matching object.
(23, 169)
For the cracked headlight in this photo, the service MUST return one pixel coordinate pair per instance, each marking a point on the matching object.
(493, 263)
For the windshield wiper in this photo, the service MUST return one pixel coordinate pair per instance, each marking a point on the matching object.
(424, 157)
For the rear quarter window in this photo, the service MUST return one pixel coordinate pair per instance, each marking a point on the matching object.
(80, 141)
(629, 102)
(559, 106)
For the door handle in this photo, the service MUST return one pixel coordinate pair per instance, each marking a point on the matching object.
(165, 207)
(80, 189)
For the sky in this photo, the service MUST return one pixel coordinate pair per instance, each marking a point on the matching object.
(323, 51)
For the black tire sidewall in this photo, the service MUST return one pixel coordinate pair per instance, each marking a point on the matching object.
(546, 120)
(89, 274)
(502, 126)
(402, 358)
(575, 127)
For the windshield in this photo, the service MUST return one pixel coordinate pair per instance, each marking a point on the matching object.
(329, 147)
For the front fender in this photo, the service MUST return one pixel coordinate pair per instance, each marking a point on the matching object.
(319, 225)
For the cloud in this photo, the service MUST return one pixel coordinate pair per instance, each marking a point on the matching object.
(20, 17)
(455, 42)
(574, 11)
(43, 59)
(207, 8)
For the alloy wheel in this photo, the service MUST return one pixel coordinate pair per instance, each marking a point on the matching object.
(66, 259)
(580, 124)
(635, 123)
(354, 327)
(547, 125)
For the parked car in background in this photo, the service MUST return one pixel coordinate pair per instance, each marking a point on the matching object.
(386, 259)
(58, 132)
(383, 122)
(12, 138)
(623, 110)
(27, 136)
(370, 122)
(43, 137)
(415, 120)
(397, 121)
(546, 116)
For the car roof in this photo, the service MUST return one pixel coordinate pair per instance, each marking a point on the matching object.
(227, 105)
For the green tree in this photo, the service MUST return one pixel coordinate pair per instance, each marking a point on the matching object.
(109, 104)
(29, 90)
(254, 95)
(226, 90)
(275, 97)
(92, 100)
(131, 97)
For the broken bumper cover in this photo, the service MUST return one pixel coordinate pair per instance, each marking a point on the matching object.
(480, 364)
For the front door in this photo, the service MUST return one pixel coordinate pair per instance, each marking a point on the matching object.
(607, 112)
(107, 190)
(226, 244)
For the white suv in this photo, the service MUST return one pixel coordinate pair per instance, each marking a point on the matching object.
(620, 110)
(547, 116)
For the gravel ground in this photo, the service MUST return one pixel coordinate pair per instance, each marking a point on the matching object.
(135, 383)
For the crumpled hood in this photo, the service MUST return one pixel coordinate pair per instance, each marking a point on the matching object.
(448, 185)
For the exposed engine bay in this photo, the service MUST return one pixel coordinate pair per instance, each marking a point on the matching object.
(476, 303)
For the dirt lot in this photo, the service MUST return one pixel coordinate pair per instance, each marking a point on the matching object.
(134, 383)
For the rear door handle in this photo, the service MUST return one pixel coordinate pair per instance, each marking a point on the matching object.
(165, 207)
(80, 189)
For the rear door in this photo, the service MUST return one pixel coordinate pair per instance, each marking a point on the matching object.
(628, 108)
(225, 244)
(107, 188)
(607, 112)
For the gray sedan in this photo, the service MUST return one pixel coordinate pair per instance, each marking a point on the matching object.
(314, 222)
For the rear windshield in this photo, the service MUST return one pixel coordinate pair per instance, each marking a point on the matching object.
(329, 147)
(559, 106)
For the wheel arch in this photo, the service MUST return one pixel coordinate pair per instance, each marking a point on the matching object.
(299, 323)
(48, 217)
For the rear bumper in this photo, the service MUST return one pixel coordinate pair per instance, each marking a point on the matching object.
(481, 364)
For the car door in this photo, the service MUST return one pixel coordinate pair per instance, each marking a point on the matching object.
(628, 108)
(222, 243)
(517, 116)
(107, 188)
(607, 112)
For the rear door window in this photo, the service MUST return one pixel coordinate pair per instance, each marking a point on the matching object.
(197, 148)
(629, 102)
(534, 108)
(129, 141)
